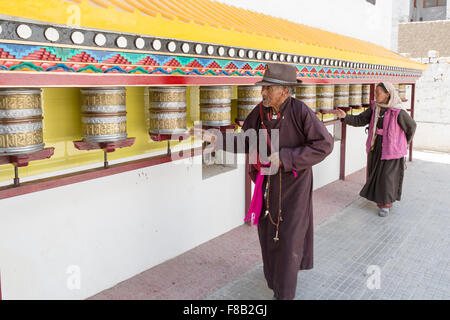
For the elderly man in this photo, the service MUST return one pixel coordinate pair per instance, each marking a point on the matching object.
(285, 212)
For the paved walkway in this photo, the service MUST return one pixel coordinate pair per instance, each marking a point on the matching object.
(409, 250)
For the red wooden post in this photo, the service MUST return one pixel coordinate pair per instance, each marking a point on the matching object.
(413, 93)
(343, 143)
(372, 102)
(372, 92)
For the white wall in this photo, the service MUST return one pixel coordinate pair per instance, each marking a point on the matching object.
(355, 156)
(432, 106)
(355, 18)
(115, 227)
(355, 151)
(328, 170)
(112, 228)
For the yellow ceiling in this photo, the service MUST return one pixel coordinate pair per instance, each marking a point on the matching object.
(206, 21)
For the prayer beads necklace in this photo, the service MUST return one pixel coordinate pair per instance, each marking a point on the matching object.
(267, 213)
(267, 191)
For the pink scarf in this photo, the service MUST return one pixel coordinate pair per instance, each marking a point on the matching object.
(255, 208)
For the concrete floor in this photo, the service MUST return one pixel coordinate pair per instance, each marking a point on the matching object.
(403, 256)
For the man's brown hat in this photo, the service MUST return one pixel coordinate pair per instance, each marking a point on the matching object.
(278, 74)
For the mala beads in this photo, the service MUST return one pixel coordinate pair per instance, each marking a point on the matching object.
(267, 213)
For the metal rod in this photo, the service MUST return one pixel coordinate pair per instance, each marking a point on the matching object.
(105, 156)
(16, 176)
(169, 152)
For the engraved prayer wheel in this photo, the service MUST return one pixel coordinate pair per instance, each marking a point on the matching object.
(341, 95)
(248, 98)
(103, 114)
(215, 106)
(402, 91)
(307, 94)
(325, 97)
(20, 121)
(365, 98)
(355, 95)
(167, 106)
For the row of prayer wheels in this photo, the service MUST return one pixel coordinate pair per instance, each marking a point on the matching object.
(317, 96)
(103, 118)
(167, 108)
(104, 112)
(104, 115)
(325, 97)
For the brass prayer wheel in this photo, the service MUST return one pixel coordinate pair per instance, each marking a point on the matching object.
(215, 106)
(167, 106)
(402, 91)
(325, 97)
(397, 87)
(248, 98)
(341, 95)
(103, 114)
(307, 94)
(355, 95)
(20, 121)
(365, 98)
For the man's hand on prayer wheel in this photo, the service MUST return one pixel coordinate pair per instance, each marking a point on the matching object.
(205, 135)
(209, 136)
(340, 113)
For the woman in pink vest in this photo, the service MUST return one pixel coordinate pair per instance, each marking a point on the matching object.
(391, 129)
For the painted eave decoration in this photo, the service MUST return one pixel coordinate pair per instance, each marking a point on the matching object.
(175, 42)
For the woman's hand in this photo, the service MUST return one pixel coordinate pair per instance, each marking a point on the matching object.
(340, 113)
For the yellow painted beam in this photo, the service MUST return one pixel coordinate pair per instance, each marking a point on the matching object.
(116, 15)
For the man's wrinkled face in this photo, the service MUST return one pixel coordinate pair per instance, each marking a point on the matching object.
(273, 96)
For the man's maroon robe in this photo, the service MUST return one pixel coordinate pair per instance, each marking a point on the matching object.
(303, 142)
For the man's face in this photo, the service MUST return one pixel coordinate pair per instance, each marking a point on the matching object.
(273, 96)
